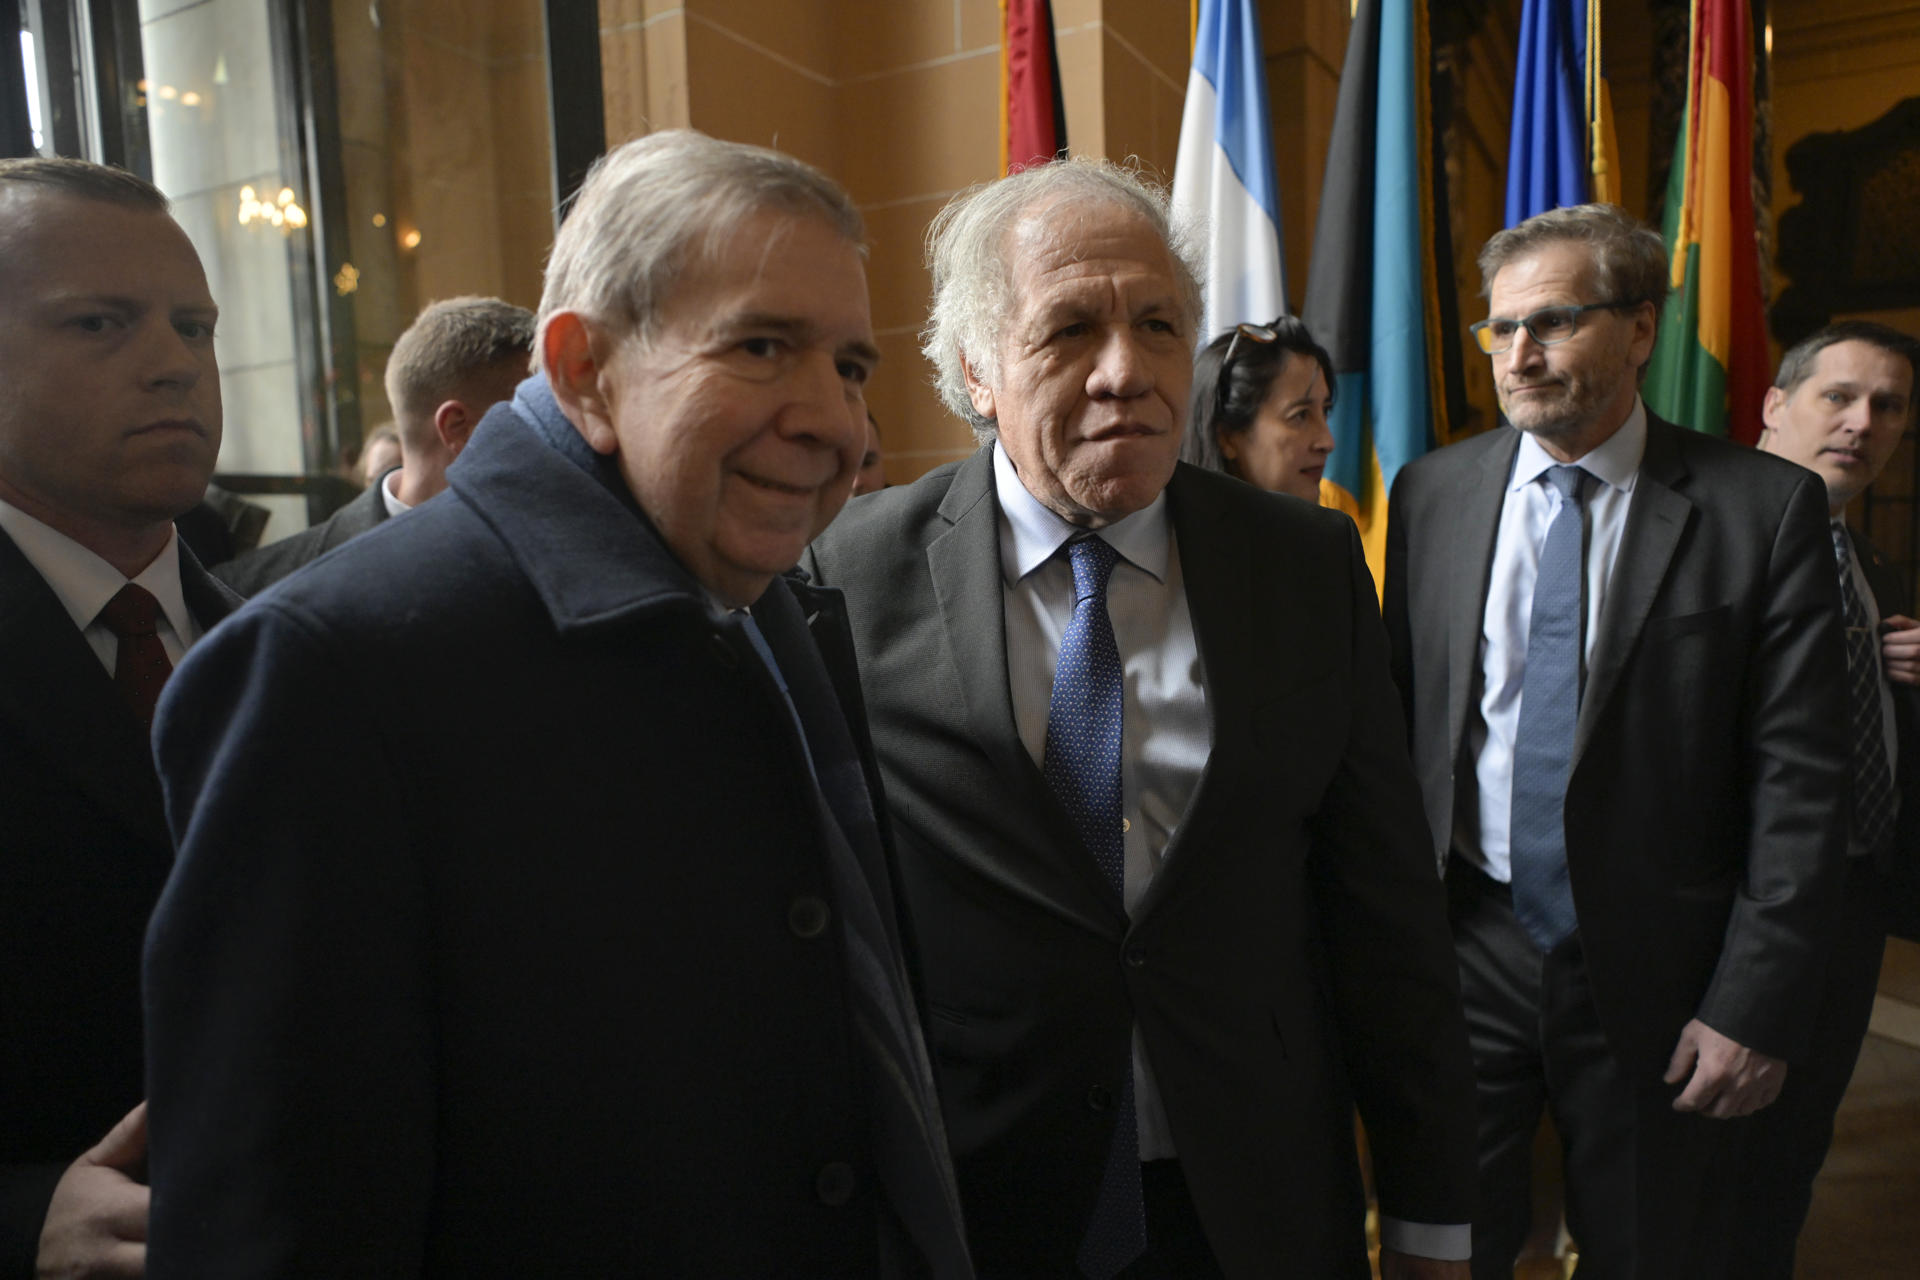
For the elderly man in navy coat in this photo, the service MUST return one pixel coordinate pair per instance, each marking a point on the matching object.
(533, 914)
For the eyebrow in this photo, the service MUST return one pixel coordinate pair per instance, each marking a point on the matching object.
(795, 329)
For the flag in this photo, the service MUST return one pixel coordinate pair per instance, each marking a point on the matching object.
(1033, 123)
(1223, 173)
(1547, 159)
(1373, 286)
(1710, 369)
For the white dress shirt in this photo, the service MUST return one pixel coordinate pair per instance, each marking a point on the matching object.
(85, 583)
(389, 497)
(1166, 732)
(1530, 505)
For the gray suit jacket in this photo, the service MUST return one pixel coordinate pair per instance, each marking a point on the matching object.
(1291, 955)
(259, 569)
(1705, 827)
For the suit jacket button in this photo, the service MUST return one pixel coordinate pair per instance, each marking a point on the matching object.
(834, 1183)
(1099, 1098)
(1136, 957)
(808, 916)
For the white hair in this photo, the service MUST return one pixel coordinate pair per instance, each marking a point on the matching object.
(968, 251)
(651, 205)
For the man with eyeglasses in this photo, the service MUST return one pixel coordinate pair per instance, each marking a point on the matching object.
(1618, 644)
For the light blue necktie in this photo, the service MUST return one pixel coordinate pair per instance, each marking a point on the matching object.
(1549, 710)
(1082, 766)
(1873, 796)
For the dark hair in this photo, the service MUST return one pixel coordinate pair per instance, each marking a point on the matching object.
(1251, 378)
(86, 179)
(449, 344)
(1629, 258)
(1796, 366)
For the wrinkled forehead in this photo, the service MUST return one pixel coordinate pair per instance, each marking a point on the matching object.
(1874, 367)
(1559, 272)
(1055, 243)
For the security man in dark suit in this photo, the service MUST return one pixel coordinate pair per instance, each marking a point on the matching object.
(109, 425)
(1841, 401)
(1618, 641)
(457, 360)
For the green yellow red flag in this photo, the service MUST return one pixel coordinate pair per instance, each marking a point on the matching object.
(1709, 369)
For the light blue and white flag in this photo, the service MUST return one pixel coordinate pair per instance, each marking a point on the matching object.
(1223, 175)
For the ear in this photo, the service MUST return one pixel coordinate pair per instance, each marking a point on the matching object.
(1646, 324)
(453, 422)
(977, 391)
(576, 352)
(1772, 406)
(1229, 444)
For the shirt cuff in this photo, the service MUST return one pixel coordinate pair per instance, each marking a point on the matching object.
(1448, 1242)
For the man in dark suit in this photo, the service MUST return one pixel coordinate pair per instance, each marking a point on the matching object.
(605, 980)
(1619, 649)
(1159, 839)
(1840, 402)
(457, 359)
(109, 425)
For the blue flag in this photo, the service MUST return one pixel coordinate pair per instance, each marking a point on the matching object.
(1547, 160)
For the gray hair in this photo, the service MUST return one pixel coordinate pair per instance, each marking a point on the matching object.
(85, 179)
(969, 254)
(1630, 261)
(448, 344)
(1796, 366)
(651, 205)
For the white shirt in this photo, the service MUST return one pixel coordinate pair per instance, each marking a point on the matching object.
(1888, 727)
(1166, 733)
(1530, 505)
(389, 497)
(85, 583)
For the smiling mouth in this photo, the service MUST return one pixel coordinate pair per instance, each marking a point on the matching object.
(778, 486)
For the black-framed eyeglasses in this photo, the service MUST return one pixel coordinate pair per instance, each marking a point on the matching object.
(1548, 326)
(1260, 333)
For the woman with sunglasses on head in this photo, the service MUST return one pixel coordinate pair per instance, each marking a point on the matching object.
(1261, 396)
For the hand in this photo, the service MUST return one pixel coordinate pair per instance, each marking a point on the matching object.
(1729, 1079)
(1404, 1266)
(1900, 649)
(97, 1220)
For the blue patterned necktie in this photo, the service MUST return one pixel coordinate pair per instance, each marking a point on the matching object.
(1873, 798)
(1082, 766)
(1549, 710)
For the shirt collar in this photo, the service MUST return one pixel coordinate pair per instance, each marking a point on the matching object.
(1615, 462)
(84, 582)
(1030, 534)
(390, 498)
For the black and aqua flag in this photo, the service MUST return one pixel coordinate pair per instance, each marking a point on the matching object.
(1372, 287)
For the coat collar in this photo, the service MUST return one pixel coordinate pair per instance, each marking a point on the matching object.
(567, 518)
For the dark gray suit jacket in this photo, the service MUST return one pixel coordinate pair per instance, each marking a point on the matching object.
(83, 852)
(1704, 814)
(1291, 955)
(259, 569)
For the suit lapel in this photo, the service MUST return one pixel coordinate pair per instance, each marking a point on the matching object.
(1656, 518)
(1471, 526)
(63, 705)
(1217, 574)
(964, 564)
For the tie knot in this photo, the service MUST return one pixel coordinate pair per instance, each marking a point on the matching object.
(1570, 481)
(1093, 560)
(1842, 547)
(132, 612)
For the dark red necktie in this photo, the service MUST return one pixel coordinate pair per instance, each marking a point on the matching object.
(142, 666)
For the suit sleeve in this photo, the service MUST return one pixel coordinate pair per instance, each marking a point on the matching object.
(1393, 600)
(290, 1062)
(25, 1192)
(1395, 985)
(1770, 968)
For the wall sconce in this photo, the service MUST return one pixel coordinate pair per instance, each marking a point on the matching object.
(282, 211)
